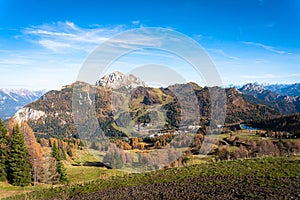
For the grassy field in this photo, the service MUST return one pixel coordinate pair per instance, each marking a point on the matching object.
(7, 190)
(76, 174)
(242, 134)
(80, 174)
(264, 170)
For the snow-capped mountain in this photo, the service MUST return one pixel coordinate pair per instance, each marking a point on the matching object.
(11, 100)
(118, 79)
(253, 87)
(281, 89)
(258, 91)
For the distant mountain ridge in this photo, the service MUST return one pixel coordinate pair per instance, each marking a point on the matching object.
(11, 100)
(285, 89)
(282, 89)
(260, 94)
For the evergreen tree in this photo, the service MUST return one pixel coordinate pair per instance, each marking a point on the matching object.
(60, 168)
(18, 169)
(55, 151)
(3, 151)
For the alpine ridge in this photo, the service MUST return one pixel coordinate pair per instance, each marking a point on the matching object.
(11, 100)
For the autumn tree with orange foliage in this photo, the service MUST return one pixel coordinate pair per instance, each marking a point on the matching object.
(35, 154)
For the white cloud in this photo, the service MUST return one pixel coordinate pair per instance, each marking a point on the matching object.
(47, 33)
(266, 47)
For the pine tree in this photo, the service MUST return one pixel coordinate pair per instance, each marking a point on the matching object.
(55, 151)
(3, 151)
(18, 171)
(60, 168)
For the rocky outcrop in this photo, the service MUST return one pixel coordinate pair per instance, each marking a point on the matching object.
(26, 114)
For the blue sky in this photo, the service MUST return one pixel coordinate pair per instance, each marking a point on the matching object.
(44, 43)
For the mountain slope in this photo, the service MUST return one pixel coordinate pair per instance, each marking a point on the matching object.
(12, 100)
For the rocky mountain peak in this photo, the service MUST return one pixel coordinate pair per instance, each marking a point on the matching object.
(118, 79)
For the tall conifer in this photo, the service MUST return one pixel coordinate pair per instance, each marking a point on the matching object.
(18, 169)
(60, 168)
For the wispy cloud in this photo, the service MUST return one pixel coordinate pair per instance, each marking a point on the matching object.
(222, 53)
(266, 47)
(53, 45)
(67, 35)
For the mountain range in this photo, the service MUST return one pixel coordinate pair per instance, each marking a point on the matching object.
(51, 114)
(11, 100)
(274, 98)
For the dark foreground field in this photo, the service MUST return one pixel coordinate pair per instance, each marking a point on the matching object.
(264, 178)
(226, 187)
